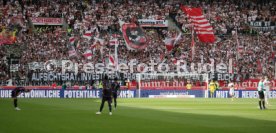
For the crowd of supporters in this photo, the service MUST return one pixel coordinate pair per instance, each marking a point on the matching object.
(252, 50)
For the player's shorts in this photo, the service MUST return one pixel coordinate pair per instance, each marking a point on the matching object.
(231, 93)
(13, 94)
(115, 95)
(261, 94)
(109, 99)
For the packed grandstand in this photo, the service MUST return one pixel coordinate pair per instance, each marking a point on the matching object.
(33, 32)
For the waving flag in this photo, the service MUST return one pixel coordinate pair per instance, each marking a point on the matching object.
(72, 40)
(134, 36)
(202, 27)
(87, 35)
(111, 60)
(88, 54)
(170, 42)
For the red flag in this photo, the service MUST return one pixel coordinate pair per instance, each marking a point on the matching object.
(87, 35)
(111, 60)
(202, 27)
(88, 54)
(169, 43)
(72, 40)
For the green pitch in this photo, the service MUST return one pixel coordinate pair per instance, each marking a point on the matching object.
(137, 116)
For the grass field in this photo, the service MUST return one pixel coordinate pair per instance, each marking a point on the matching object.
(137, 116)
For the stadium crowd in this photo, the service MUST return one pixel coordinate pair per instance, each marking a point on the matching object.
(252, 50)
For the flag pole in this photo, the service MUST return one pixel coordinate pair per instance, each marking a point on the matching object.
(193, 43)
(238, 44)
(116, 57)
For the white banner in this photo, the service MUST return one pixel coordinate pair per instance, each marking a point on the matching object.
(47, 21)
(171, 96)
(153, 23)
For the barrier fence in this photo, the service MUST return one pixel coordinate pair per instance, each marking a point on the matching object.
(73, 93)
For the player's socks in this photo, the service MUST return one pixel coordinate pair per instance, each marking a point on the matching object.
(263, 104)
(110, 107)
(101, 108)
(15, 103)
(115, 103)
(260, 105)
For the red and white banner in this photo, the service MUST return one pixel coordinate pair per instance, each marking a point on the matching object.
(172, 96)
(250, 84)
(47, 21)
(88, 54)
(87, 35)
(152, 23)
(202, 27)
